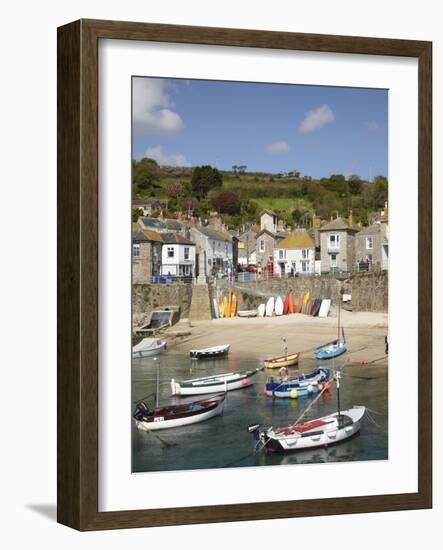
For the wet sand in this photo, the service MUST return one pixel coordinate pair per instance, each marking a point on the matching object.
(364, 331)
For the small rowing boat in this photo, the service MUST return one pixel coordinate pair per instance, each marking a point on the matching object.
(217, 383)
(303, 385)
(148, 347)
(283, 361)
(247, 313)
(214, 351)
(336, 347)
(173, 416)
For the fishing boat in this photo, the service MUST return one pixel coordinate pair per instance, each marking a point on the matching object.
(214, 351)
(174, 416)
(217, 383)
(148, 347)
(336, 347)
(321, 432)
(247, 313)
(303, 385)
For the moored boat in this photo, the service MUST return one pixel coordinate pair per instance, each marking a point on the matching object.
(336, 347)
(217, 383)
(173, 416)
(148, 347)
(321, 432)
(213, 351)
(288, 360)
(247, 313)
(301, 386)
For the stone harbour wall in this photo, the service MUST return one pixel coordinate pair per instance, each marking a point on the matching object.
(147, 297)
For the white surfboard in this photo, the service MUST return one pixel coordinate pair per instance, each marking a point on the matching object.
(324, 308)
(279, 306)
(216, 310)
(261, 310)
(270, 304)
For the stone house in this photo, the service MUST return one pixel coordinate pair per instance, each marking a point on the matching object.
(384, 238)
(214, 252)
(178, 256)
(368, 248)
(268, 221)
(337, 245)
(146, 255)
(148, 206)
(295, 254)
(246, 247)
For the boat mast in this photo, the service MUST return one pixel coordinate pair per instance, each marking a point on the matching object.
(158, 378)
(337, 378)
(338, 324)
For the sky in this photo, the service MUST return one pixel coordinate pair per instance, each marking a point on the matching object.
(316, 130)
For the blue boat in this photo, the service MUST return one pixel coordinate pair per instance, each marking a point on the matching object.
(334, 348)
(306, 384)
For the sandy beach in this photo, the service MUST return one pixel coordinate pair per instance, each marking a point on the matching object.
(365, 333)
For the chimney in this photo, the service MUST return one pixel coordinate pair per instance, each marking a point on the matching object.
(350, 218)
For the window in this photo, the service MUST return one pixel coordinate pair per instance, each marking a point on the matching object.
(369, 243)
(186, 252)
(170, 252)
(334, 241)
(281, 254)
(305, 267)
(305, 253)
(333, 260)
(262, 245)
(370, 258)
(135, 250)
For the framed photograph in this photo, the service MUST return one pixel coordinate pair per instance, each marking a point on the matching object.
(244, 275)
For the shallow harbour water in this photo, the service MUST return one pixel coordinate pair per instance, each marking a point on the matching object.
(223, 441)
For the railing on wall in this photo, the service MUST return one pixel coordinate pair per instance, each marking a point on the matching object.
(171, 279)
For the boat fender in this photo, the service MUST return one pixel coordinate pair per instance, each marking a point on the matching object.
(293, 394)
(252, 428)
(310, 388)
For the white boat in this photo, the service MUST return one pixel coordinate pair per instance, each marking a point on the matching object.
(217, 383)
(247, 313)
(279, 306)
(261, 310)
(209, 352)
(315, 433)
(148, 347)
(324, 308)
(174, 416)
(270, 304)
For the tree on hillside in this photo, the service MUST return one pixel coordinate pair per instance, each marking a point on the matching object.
(355, 184)
(336, 183)
(136, 214)
(227, 202)
(205, 178)
(145, 175)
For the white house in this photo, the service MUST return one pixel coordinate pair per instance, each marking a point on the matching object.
(268, 221)
(178, 256)
(214, 251)
(295, 254)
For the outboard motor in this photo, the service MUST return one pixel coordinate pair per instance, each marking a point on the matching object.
(254, 429)
(141, 410)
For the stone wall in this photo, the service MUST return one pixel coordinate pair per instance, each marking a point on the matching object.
(147, 297)
(369, 291)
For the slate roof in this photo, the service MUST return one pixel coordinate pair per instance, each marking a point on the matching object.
(213, 234)
(160, 224)
(266, 211)
(337, 225)
(145, 235)
(370, 230)
(175, 238)
(297, 239)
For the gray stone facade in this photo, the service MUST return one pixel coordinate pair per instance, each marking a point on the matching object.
(337, 246)
(146, 256)
(368, 248)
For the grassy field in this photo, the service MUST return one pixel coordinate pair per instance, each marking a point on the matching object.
(281, 203)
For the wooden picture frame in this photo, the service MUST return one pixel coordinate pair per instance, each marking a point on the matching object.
(78, 273)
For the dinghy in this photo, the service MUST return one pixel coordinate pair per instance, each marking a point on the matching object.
(303, 385)
(173, 416)
(324, 308)
(299, 303)
(279, 306)
(247, 313)
(291, 303)
(270, 304)
(214, 351)
(284, 361)
(217, 383)
(261, 310)
(148, 347)
(321, 432)
(216, 310)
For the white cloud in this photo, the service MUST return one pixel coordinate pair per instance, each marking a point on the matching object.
(314, 120)
(277, 147)
(153, 109)
(373, 126)
(165, 159)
